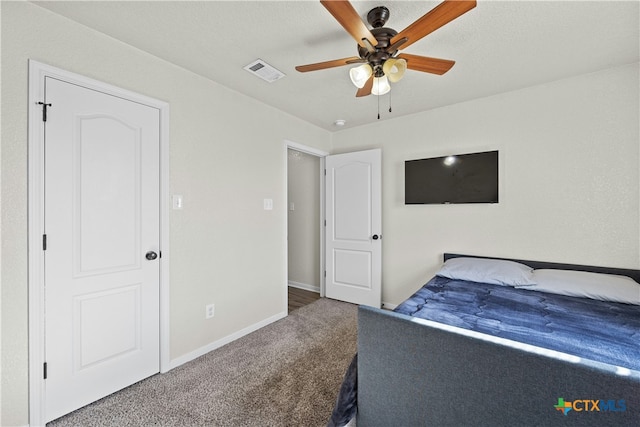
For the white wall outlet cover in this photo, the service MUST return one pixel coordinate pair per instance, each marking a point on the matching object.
(209, 311)
(268, 204)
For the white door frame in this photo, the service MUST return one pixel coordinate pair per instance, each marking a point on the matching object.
(321, 155)
(37, 73)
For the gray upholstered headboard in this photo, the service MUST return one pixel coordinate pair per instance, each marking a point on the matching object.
(634, 274)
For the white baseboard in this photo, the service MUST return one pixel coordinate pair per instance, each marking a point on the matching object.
(389, 306)
(304, 286)
(226, 340)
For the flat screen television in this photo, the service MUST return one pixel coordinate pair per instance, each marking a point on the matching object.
(464, 178)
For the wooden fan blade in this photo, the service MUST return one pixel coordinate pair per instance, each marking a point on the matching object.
(329, 64)
(347, 16)
(366, 89)
(426, 64)
(440, 15)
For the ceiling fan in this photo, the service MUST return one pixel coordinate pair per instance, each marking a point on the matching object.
(378, 48)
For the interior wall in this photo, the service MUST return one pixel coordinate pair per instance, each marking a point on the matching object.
(225, 158)
(569, 180)
(303, 187)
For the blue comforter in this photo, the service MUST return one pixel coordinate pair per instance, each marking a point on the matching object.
(597, 330)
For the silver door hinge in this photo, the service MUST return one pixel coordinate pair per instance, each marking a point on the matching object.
(44, 242)
(44, 370)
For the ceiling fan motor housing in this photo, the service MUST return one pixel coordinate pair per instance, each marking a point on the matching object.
(380, 54)
(377, 17)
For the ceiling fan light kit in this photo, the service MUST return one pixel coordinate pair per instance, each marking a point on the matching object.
(380, 86)
(360, 74)
(381, 62)
(394, 69)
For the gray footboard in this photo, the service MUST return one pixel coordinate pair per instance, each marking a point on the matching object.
(413, 374)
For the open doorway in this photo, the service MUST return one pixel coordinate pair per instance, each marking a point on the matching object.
(305, 217)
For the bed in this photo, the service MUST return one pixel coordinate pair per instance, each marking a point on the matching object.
(541, 344)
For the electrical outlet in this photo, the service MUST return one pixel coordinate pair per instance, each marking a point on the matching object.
(209, 311)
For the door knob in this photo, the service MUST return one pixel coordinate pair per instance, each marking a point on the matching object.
(375, 237)
(151, 255)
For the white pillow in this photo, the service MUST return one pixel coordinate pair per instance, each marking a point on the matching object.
(494, 271)
(605, 287)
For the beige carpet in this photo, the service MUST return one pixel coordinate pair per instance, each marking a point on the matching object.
(285, 374)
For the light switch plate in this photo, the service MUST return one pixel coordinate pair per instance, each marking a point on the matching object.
(176, 201)
(268, 204)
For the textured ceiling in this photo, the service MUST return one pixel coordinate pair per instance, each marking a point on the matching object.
(498, 46)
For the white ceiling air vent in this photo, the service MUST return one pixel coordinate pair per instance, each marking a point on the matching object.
(264, 71)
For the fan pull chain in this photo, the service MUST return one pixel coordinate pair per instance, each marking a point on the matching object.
(379, 105)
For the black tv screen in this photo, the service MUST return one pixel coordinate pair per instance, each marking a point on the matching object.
(464, 178)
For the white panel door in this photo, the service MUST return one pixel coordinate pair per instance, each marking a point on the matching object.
(101, 225)
(354, 224)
